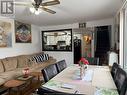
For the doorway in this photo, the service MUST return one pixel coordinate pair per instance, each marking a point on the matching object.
(82, 43)
(77, 48)
(103, 43)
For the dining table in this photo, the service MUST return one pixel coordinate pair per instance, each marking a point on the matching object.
(97, 80)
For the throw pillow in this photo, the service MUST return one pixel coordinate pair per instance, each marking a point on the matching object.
(40, 58)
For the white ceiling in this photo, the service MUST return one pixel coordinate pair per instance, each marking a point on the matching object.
(69, 11)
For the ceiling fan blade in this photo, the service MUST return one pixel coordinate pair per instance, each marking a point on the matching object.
(23, 4)
(48, 10)
(50, 3)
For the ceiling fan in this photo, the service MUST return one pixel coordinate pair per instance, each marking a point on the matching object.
(37, 5)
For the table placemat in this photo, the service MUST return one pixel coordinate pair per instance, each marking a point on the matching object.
(105, 91)
(59, 86)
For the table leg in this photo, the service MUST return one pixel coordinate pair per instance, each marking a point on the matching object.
(31, 81)
(9, 91)
(38, 78)
(19, 92)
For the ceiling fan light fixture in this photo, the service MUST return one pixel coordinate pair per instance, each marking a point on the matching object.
(32, 1)
(36, 6)
(32, 10)
(37, 12)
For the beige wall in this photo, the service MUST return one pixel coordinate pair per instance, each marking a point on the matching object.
(22, 48)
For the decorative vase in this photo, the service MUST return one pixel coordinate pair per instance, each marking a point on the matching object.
(81, 71)
(86, 67)
(25, 72)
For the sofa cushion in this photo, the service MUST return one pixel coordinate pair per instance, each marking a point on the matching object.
(9, 75)
(40, 58)
(37, 58)
(23, 61)
(33, 63)
(10, 63)
(2, 81)
(46, 57)
(1, 67)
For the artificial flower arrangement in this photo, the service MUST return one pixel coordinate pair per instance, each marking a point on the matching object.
(83, 61)
(26, 72)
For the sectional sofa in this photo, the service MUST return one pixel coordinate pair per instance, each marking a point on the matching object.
(12, 67)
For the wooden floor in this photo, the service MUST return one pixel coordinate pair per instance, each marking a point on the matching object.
(26, 89)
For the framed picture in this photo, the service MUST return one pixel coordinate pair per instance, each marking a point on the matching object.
(5, 33)
(22, 32)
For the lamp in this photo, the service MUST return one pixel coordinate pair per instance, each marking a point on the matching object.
(26, 72)
(32, 10)
(87, 39)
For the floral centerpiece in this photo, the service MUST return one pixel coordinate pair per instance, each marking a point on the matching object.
(83, 62)
(25, 72)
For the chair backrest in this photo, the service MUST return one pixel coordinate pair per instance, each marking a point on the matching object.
(49, 72)
(120, 79)
(92, 60)
(114, 69)
(124, 88)
(126, 92)
(61, 65)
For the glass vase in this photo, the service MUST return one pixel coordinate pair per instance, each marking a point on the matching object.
(86, 67)
(81, 71)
